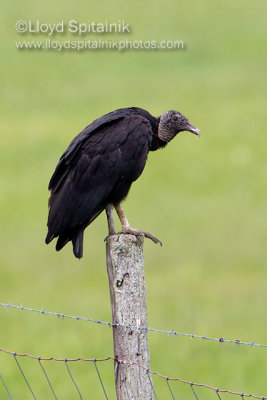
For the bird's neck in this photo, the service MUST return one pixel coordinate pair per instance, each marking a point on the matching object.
(157, 143)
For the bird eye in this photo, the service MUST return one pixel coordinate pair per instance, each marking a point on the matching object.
(175, 118)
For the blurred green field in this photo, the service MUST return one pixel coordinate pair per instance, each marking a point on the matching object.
(204, 198)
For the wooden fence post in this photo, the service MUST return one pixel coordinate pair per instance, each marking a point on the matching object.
(125, 266)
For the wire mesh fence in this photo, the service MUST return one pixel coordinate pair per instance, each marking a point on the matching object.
(66, 362)
(162, 386)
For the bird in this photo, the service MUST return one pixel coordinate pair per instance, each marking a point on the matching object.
(96, 171)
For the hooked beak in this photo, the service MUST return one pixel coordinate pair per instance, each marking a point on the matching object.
(191, 128)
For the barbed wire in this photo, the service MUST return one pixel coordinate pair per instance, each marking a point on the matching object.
(134, 327)
(150, 372)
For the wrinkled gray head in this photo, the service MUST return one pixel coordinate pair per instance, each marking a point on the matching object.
(173, 122)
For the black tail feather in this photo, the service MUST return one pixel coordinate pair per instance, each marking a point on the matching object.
(49, 237)
(63, 239)
(74, 235)
(77, 243)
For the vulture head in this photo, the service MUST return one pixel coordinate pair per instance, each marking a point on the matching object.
(173, 122)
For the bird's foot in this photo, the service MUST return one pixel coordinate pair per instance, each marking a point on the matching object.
(130, 231)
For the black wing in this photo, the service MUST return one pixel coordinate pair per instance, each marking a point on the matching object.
(73, 151)
(98, 168)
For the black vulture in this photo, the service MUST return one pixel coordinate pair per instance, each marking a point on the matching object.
(98, 168)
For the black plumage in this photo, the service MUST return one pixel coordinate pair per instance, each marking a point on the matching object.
(99, 166)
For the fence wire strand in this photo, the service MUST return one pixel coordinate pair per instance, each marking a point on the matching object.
(24, 377)
(151, 383)
(124, 363)
(2, 379)
(167, 381)
(48, 380)
(133, 327)
(191, 384)
(71, 376)
(100, 379)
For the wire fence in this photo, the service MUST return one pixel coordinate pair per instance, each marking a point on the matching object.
(169, 381)
(134, 327)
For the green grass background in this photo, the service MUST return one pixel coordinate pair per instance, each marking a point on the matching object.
(204, 198)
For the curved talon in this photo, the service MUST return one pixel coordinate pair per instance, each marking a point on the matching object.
(153, 238)
(137, 232)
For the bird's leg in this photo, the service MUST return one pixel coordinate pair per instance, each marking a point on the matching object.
(110, 218)
(126, 228)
